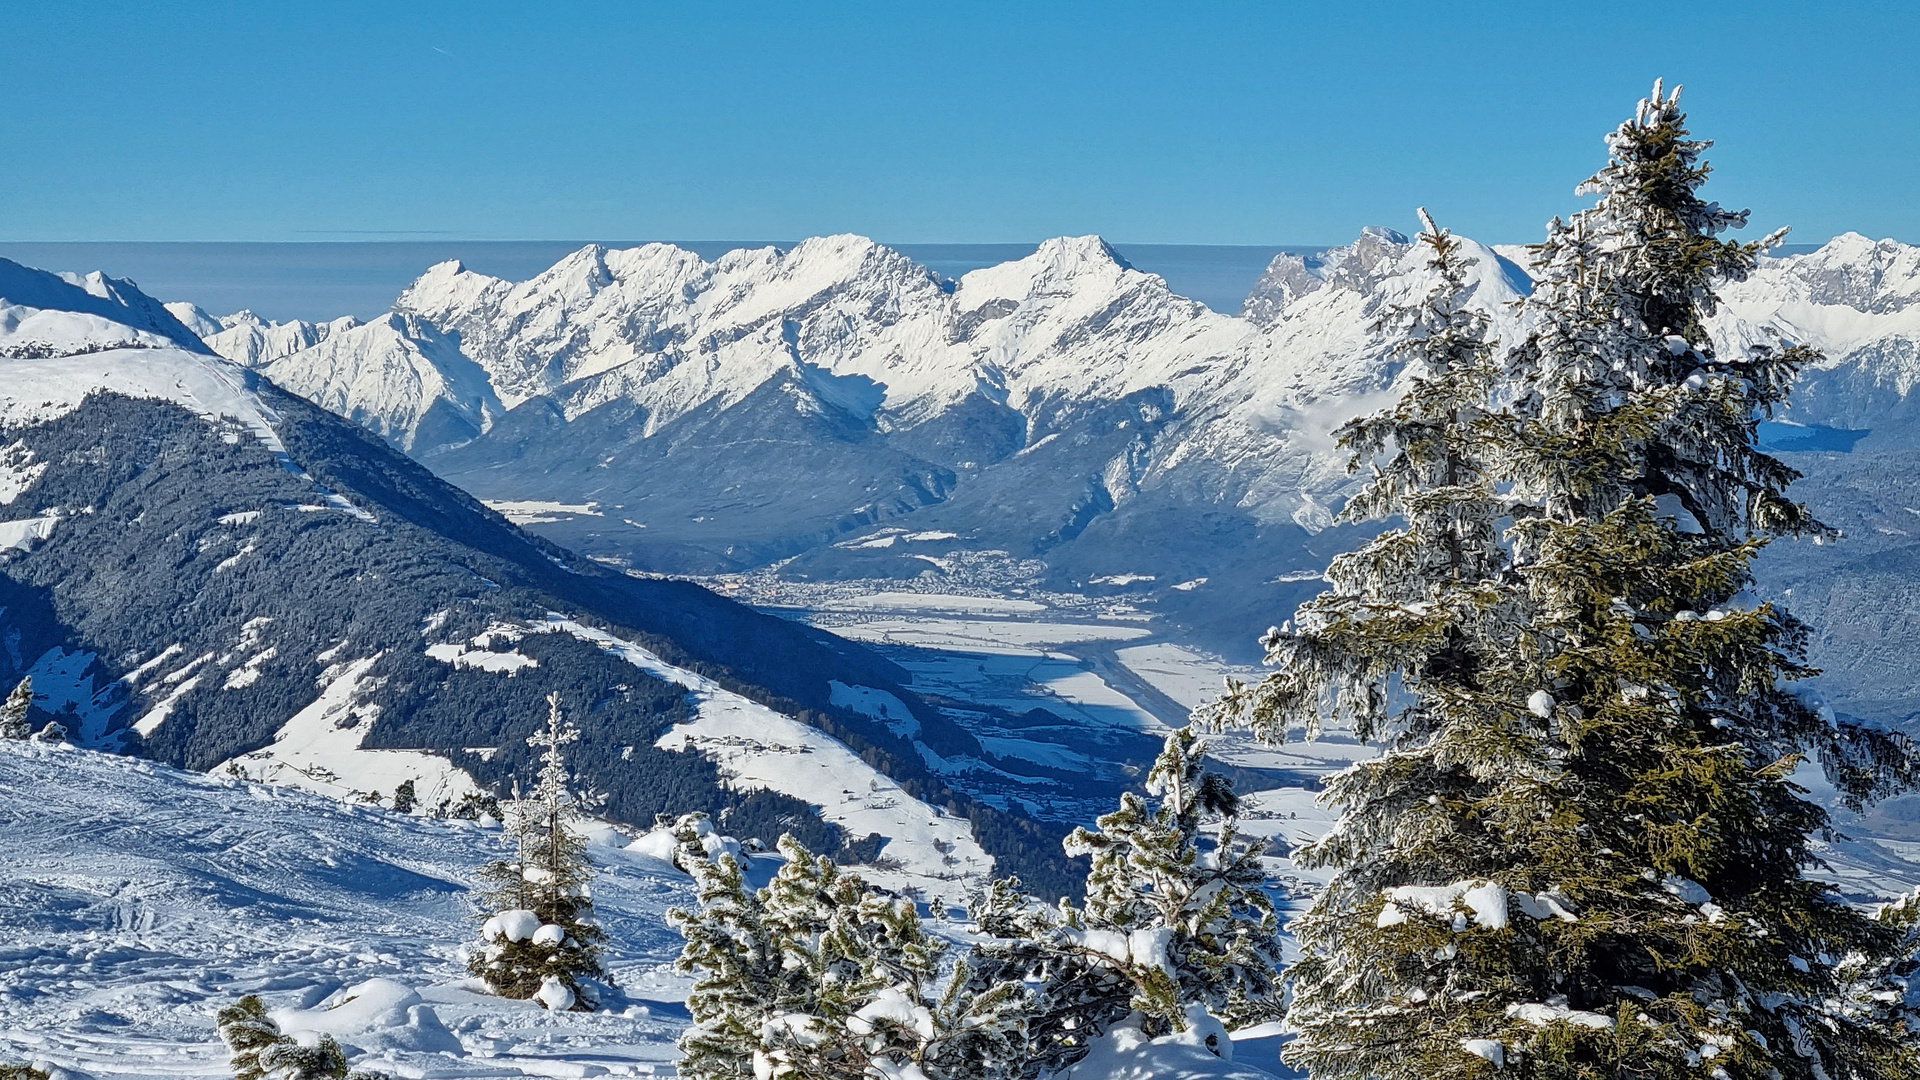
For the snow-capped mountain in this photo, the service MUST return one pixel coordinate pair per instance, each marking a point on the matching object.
(45, 314)
(1858, 301)
(247, 339)
(198, 566)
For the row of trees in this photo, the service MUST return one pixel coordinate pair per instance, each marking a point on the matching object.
(816, 975)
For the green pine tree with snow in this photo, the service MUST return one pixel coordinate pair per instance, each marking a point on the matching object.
(1582, 852)
(1176, 931)
(541, 938)
(13, 712)
(261, 1051)
(818, 976)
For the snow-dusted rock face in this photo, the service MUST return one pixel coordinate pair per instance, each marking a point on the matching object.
(246, 338)
(1360, 266)
(1856, 300)
(397, 375)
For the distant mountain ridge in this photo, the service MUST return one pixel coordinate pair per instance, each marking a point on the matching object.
(777, 405)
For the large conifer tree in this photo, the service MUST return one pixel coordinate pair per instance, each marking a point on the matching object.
(1582, 853)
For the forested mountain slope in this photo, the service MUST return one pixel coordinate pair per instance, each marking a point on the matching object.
(197, 566)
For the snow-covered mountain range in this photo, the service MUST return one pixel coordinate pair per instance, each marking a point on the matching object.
(1065, 421)
(1046, 422)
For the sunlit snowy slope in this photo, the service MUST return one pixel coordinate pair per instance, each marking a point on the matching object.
(138, 899)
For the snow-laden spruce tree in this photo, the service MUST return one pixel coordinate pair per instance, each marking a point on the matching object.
(542, 940)
(261, 1051)
(1582, 853)
(13, 712)
(818, 976)
(1175, 925)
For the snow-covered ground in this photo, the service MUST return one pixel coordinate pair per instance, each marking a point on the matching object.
(319, 750)
(137, 899)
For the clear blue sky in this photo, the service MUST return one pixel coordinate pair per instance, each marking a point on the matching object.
(957, 122)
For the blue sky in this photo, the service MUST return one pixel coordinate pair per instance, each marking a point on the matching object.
(1270, 123)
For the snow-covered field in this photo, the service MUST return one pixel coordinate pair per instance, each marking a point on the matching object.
(137, 899)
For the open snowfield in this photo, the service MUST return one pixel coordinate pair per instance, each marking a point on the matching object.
(137, 899)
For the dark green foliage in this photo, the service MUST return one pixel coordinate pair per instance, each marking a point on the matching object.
(404, 798)
(809, 978)
(1176, 921)
(549, 878)
(471, 806)
(261, 1052)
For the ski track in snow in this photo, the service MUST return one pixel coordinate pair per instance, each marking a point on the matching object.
(142, 898)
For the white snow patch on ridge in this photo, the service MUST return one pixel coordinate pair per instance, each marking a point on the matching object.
(22, 534)
(318, 749)
(481, 659)
(36, 391)
(757, 748)
(18, 471)
(878, 704)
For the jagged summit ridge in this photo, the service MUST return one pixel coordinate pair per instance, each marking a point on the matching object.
(840, 343)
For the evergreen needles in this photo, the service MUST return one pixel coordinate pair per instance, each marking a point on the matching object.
(819, 976)
(262, 1052)
(1582, 852)
(542, 940)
